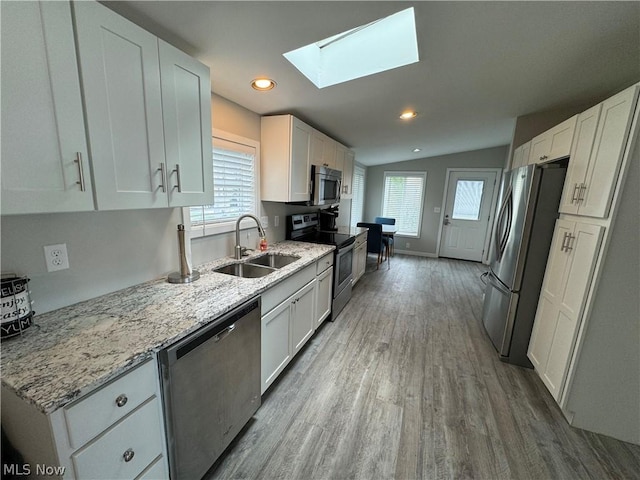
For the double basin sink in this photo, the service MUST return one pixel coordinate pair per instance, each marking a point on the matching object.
(259, 266)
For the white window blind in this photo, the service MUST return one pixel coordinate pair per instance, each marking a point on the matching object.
(403, 199)
(357, 203)
(234, 185)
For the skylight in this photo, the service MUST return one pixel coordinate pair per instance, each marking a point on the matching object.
(381, 45)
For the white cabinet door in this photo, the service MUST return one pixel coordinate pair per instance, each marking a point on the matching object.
(186, 110)
(608, 150)
(323, 296)
(521, 156)
(121, 82)
(323, 150)
(275, 343)
(554, 143)
(299, 162)
(579, 159)
(302, 318)
(566, 284)
(45, 161)
(347, 172)
(359, 260)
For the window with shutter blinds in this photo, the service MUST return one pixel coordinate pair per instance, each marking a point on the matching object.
(403, 199)
(357, 203)
(235, 189)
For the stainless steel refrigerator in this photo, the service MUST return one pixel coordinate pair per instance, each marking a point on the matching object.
(529, 200)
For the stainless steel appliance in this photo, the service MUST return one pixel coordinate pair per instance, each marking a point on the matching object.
(529, 201)
(211, 388)
(325, 185)
(304, 228)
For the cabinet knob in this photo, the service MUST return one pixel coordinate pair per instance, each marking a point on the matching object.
(121, 400)
(128, 455)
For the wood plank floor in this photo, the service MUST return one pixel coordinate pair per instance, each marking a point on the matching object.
(405, 384)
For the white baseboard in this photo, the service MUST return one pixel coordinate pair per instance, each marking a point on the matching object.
(416, 254)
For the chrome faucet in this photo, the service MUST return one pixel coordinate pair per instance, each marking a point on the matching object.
(239, 248)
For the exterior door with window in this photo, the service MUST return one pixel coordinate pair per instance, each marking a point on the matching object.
(466, 214)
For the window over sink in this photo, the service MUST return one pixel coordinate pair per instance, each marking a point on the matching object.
(235, 184)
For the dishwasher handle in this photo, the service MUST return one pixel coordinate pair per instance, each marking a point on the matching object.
(225, 333)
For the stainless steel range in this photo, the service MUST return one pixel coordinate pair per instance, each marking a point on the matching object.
(305, 228)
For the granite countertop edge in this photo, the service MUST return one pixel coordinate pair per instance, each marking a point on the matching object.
(77, 349)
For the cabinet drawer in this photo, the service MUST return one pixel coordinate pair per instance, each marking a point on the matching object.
(157, 470)
(97, 411)
(324, 263)
(275, 295)
(360, 239)
(139, 434)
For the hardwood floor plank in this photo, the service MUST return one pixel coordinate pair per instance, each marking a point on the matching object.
(405, 384)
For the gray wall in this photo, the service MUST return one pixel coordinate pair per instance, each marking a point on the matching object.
(436, 168)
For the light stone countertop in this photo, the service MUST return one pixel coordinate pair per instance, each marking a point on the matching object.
(76, 349)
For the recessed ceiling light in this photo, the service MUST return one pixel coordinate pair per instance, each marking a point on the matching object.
(263, 84)
(409, 114)
(416, 150)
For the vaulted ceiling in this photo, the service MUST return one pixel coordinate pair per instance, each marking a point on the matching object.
(482, 64)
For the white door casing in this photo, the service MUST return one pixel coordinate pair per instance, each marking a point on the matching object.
(465, 228)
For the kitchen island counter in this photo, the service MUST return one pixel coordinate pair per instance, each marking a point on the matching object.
(76, 349)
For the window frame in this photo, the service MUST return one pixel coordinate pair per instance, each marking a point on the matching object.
(355, 219)
(209, 229)
(406, 173)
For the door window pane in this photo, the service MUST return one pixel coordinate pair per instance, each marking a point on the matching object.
(466, 205)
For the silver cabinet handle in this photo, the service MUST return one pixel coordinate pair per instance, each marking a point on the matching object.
(163, 178)
(121, 400)
(128, 455)
(543, 157)
(566, 241)
(581, 192)
(177, 172)
(574, 197)
(80, 181)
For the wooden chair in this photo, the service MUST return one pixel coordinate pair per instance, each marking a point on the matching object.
(374, 240)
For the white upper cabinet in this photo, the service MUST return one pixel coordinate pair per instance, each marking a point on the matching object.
(186, 104)
(45, 161)
(121, 81)
(323, 150)
(521, 155)
(344, 163)
(554, 143)
(285, 159)
(124, 88)
(596, 155)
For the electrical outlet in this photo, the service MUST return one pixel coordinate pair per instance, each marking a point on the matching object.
(408, 245)
(264, 221)
(56, 257)
(436, 209)
(276, 221)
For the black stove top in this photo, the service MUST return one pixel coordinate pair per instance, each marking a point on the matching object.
(327, 238)
(304, 228)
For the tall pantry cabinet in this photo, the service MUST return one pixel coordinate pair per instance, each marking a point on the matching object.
(585, 340)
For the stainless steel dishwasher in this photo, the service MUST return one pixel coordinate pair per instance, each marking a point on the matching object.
(211, 388)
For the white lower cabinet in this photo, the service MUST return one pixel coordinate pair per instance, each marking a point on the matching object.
(324, 296)
(114, 432)
(359, 257)
(572, 257)
(290, 316)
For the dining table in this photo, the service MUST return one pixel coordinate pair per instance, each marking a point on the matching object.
(389, 231)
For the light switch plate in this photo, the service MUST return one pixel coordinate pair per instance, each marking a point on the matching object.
(436, 209)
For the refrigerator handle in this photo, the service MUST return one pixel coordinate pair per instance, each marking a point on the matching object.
(506, 212)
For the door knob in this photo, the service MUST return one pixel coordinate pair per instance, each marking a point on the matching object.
(446, 220)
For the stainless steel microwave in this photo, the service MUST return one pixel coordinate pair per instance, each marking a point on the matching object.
(326, 184)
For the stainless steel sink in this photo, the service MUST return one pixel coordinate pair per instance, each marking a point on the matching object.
(274, 260)
(245, 270)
